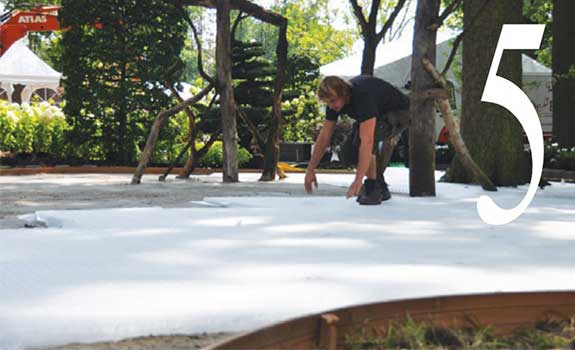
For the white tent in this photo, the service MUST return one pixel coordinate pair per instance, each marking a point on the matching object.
(393, 64)
(19, 65)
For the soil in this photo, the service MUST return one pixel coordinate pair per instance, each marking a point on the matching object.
(166, 342)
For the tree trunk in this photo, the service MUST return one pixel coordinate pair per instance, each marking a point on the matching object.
(369, 50)
(563, 60)
(493, 136)
(422, 128)
(225, 88)
(272, 150)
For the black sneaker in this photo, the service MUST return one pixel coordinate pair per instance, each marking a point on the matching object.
(382, 187)
(371, 195)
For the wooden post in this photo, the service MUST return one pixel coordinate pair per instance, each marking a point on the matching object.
(328, 332)
(422, 128)
(226, 91)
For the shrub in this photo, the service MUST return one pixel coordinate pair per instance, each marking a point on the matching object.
(214, 157)
(32, 128)
(558, 158)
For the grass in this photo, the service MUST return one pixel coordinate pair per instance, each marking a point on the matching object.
(551, 333)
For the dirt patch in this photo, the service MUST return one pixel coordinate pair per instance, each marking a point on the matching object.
(31, 193)
(162, 342)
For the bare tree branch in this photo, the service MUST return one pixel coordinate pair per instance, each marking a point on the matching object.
(457, 42)
(402, 23)
(390, 20)
(246, 6)
(203, 73)
(451, 58)
(358, 12)
(373, 13)
(253, 128)
(453, 5)
(241, 16)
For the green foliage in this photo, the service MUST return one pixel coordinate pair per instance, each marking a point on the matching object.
(173, 138)
(410, 334)
(254, 77)
(48, 46)
(35, 128)
(398, 335)
(201, 19)
(540, 12)
(302, 115)
(114, 73)
(534, 11)
(214, 157)
(311, 32)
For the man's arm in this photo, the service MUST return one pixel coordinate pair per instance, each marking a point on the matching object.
(321, 143)
(319, 148)
(366, 131)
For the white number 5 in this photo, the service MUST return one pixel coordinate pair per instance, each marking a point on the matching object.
(506, 94)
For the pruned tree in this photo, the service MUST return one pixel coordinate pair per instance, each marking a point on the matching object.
(271, 151)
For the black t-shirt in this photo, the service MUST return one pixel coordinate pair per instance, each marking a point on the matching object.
(370, 97)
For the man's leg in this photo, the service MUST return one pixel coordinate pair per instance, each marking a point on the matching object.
(384, 158)
(371, 193)
(372, 170)
(380, 165)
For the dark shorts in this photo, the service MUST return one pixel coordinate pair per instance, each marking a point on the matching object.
(392, 124)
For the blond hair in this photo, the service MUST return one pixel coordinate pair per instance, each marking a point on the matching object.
(332, 87)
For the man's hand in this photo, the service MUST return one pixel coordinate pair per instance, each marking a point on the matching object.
(354, 189)
(309, 180)
(393, 140)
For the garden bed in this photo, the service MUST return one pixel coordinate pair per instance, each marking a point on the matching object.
(497, 318)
